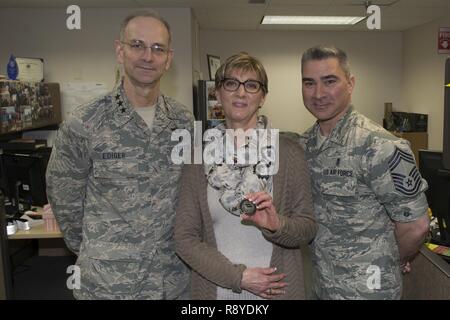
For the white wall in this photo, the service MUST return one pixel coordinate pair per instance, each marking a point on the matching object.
(423, 77)
(88, 54)
(375, 57)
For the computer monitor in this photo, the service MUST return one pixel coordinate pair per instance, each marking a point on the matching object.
(23, 178)
(438, 194)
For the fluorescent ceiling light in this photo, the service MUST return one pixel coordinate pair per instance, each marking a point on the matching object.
(310, 20)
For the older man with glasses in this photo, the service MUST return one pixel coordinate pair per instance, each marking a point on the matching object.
(110, 181)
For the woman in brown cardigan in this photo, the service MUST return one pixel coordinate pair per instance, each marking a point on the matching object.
(234, 249)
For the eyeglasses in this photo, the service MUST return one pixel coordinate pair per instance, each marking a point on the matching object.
(139, 47)
(250, 86)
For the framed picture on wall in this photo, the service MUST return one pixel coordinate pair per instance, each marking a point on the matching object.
(213, 65)
(30, 69)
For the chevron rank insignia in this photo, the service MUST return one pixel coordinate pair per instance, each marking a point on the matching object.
(404, 173)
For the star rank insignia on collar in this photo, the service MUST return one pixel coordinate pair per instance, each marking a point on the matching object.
(119, 102)
(122, 109)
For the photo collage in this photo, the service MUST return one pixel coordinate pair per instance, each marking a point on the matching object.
(26, 105)
(215, 114)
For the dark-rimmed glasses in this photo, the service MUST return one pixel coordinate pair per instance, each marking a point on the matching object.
(250, 86)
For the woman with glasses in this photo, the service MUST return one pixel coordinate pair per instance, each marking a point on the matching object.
(243, 223)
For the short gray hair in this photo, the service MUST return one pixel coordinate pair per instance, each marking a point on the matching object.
(322, 52)
(144, 13)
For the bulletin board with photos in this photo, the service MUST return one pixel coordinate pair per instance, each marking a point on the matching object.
(215, 114)
(28, 105)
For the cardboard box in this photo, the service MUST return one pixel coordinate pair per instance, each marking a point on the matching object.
(418, 140)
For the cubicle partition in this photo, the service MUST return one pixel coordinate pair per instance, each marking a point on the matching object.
(6, 290)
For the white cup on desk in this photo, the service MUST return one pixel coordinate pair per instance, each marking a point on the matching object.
(11, 228)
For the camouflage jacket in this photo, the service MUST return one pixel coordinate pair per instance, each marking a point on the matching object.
(113, 189)
(363, 179)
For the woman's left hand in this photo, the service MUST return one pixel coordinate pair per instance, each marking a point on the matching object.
(266, 215)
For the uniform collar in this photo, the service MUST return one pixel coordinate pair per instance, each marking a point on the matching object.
(164, 117)
(123, 112)
(122, 109)
(337, 135)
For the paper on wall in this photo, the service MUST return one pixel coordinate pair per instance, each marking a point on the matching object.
(74, 94)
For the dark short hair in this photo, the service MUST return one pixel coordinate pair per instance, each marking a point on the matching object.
(144, 13)
(322, 52)
(242, 61)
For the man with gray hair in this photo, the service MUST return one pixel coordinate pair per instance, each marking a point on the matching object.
(111, 182)
(368, 194)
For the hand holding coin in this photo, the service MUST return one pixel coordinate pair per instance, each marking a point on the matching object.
(258, 208)
(247, 207)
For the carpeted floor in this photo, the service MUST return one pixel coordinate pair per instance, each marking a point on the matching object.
(43, 277)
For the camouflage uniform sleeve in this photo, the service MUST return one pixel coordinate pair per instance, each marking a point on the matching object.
(66, 177)
(394, 177)
(188, 120)
(295, 211)
(190, 124)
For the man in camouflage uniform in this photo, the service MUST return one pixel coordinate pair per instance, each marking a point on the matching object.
(368, 194)
(110, 180)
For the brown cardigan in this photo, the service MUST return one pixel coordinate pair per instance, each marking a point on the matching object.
(196, 244)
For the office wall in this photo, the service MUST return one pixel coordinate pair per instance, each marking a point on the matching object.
(88, 54)
(196, 70)
(423, 77)
(376, 60)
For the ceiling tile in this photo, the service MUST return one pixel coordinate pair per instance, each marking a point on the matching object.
(238, 14)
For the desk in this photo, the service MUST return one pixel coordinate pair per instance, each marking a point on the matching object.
(50, 243)
(36, 232)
